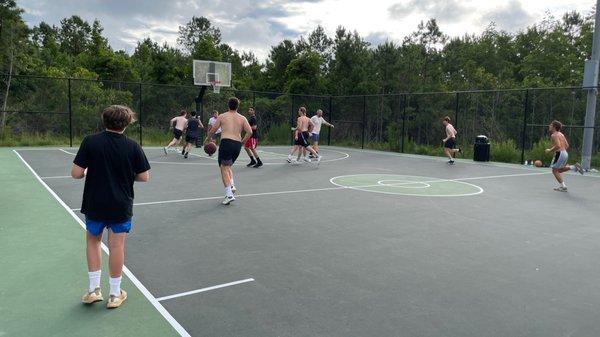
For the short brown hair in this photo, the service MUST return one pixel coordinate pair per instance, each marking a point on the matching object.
(447, 119)
(182, 113)
(303, 109)
(117, 117)
(233, 103)
(557, 125)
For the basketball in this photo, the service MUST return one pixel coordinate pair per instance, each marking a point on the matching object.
(210, 148)
(538, 163)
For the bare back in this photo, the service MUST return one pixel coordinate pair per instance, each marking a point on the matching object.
(303, 124)
(559, 141)
(232, 124)
(180, 122)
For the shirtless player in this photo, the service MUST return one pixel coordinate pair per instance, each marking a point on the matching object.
(559, 162)
(302, 135)
(179, 124)
(231, 123)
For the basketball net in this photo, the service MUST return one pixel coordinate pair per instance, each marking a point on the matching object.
(216, 86)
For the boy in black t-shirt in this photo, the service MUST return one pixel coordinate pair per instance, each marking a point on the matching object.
(252, 143)
(193, 132)
(110, 163)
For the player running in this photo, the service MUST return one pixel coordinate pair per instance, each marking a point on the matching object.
(302, 136)
(317, 120)
(450, 140)
(232, 124)
(192, 133)
(178, 124)
(559, 162)
(252, 143)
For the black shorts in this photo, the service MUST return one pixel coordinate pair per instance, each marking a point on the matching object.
(177, 134)
(303, 139)
(450, 143)
(191, 138)
(229, 150)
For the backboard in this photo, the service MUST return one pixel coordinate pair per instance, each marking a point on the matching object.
(212, 73)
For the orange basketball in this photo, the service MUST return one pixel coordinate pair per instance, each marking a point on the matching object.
(210, 148)
(538, 163)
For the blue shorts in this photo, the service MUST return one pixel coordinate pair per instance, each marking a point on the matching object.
(314, 137)
(97, 227)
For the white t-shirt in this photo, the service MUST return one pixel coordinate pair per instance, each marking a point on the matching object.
(212, 122)
(317, 122)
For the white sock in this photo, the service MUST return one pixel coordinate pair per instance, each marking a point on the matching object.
(563, 184)
(232, 184)
(228, 192)
(94, 277)
(115, 285)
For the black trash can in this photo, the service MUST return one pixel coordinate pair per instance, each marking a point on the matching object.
(481, 150)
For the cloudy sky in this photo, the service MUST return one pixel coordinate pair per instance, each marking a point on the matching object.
(254, 25)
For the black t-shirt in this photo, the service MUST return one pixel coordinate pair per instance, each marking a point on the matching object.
(113, 161)
(252, 121)
(193, 127)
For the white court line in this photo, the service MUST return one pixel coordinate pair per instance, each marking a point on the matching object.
(337, 187)
(67, 152)
(224, 285)
(126, 270)
(56, 177)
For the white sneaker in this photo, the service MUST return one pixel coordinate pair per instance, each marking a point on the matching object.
(233, 189)
(306, 159)
(228, 200)
(289, 160)
(560, 189)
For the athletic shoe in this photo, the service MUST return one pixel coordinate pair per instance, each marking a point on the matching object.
(289, 160)
(450, 162)
(228, 200)
(579, 168)
(165, 149)
(319, 160)
(251, 163)
(306, 159)
(183, 151)
(233, 190)
(311, 156)
(91, 297)
(116, 301)
(560, 189)
(258, 164)
(185, 155)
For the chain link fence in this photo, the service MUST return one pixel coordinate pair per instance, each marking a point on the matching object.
(516, 120)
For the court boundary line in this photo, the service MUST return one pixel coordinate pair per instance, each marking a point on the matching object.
(336, 187)
(166, 315)
(56, 177)
(201, 290)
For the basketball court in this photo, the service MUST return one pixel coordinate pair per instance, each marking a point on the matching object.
(367, 244)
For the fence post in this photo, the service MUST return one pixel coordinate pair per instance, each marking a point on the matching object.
(404, 120)
(70, 115)
(364, 116)
(254, 99)
(525, 115)
(140, 113)
(292, 119)
(456, 111)
(330, 120)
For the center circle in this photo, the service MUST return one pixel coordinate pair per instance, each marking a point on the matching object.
(403, 183)
(407, 185)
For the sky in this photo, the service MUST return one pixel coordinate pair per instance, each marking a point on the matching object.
(254, 25)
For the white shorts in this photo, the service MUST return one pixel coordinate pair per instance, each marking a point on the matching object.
(560, 159)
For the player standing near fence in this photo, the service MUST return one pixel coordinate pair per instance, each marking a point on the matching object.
(178, 124)
(252, 143)
(561, 156)
(317, 120)
(450, 140)
(232, 124)
(110, 163)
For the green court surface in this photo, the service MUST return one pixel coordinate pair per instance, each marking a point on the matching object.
(44, 274)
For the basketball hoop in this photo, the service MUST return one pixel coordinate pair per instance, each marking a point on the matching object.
(216, 86)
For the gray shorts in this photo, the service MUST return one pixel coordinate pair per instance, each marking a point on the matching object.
(560, 159)
(314, 137)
